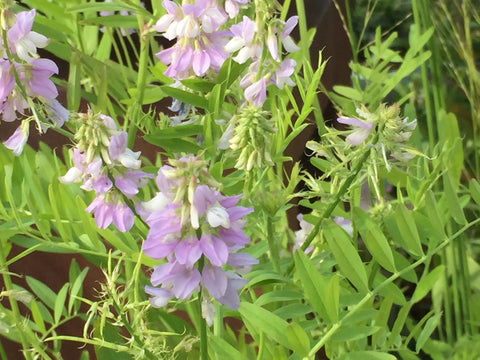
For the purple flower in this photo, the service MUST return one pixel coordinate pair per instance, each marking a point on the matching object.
(7, 80)
(256, 92)
(21, 40)
(181, 280)
(283, 73)
(160, 298)
(17, 141)
(129, 182)
(198, 223)
(214, 249)
(234, 283)
(243, 40)
(241, 262)
(102, 211)
(39, 83)
(59, 114)
(123, 217)
(188, 251)
(199, 45)
(214, 279)
(232, 7)
(285, 37)
(361, 129)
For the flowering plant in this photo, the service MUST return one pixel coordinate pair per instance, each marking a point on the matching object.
(173, 203)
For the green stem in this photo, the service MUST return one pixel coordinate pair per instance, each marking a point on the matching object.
(342, 191)
(272, 244)
(13, 303)
(203, 331)
(425, 81)
(135, 109)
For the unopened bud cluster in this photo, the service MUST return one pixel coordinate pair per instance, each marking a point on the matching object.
(251, 139)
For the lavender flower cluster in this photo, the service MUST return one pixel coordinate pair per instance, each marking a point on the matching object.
(198, 231)
(105, 165)
(203, 45)
(25, 76)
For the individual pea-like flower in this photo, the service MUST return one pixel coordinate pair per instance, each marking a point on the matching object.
(103, 163)
(192, 223)
(284, 29)
(22, 41)
(361, 130)
(17, 141)
(244, 41)
(232, 7)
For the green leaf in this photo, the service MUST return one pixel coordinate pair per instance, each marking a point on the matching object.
(59, 308)
(76, 290)
(198, 84)
(229, 72)
(263, 321)
(348, 92)
(176, 132)
(375, 240)
(223, 349)
(454, 206)
(174, 145)
(262, 277)
(346, 255)
(333, 298)
(407, 230)
(294, 310)
(367, 355)
(426, 283)
(43, 292)
(314, 285)
(278, 296)
(186, 97)
(349, 333)
(428, 329)
(298, 339)
(435, 218)
(474, 188)
(37, 316)
(120, 21)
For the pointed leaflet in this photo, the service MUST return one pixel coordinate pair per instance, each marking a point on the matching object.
(346, 255)
(407, 230)
(375, 240)
(314, 285)
(263, 321)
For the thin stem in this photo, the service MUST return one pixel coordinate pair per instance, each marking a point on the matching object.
(203, 331)
(425, 81)
(135, 109)
(13, 302)
(272, 245)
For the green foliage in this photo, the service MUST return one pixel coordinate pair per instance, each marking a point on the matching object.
(399, 280)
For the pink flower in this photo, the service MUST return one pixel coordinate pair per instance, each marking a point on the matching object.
(361, 130)
(232, 7)
(39, 83)
(17, 141)
(21, 40)
(243, 40)
(199, 45)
